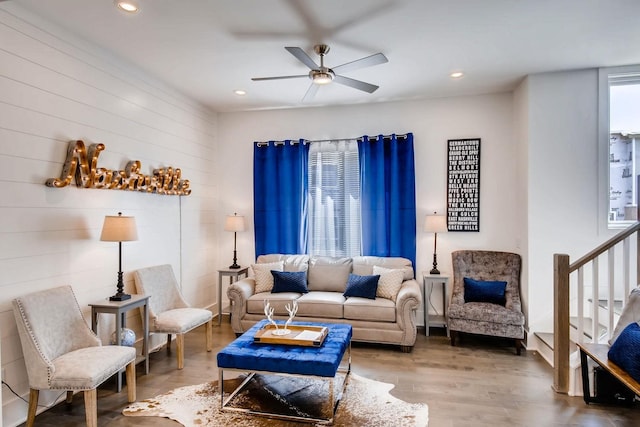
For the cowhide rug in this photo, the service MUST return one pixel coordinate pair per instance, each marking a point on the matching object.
(365, 403)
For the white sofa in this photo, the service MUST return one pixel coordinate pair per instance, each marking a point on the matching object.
(379, 320)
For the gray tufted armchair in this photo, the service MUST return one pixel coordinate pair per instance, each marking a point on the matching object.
(62, 353)
(487, 318)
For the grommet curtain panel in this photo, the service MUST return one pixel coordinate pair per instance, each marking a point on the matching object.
(280, 197)
(388, 196)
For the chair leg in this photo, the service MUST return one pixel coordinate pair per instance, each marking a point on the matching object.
(168, 343)
(33, 405)
(180, 345)
(131, 382)
(519, 346)
(69, 397)
(91, 407)
(209, 333)
(453, 335)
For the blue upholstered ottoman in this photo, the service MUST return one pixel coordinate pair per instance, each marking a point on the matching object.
(245, 355)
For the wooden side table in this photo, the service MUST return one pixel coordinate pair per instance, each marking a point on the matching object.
(234, 275)
(428, 281)
(120, 309)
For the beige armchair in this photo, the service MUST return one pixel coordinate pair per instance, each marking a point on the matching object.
(62, 353)
(482, 315)
(169, 313)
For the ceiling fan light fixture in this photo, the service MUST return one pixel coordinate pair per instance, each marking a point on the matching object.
(321, 77)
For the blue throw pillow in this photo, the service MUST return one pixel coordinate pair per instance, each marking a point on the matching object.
(492, 291)
(625, 350)
(289, 281)
(362, 286)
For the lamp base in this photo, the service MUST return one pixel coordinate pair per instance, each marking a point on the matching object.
(235, 266)
(120, 297)
(434, 271)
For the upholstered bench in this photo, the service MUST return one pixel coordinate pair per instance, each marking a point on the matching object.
(322, 362)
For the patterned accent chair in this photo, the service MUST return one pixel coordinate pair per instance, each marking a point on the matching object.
(62, 353)
(169, 313)
(487, 318)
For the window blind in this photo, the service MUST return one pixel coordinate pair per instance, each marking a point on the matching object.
(334, 199)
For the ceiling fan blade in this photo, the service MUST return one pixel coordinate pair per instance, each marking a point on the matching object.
(311, 92)
(257, 79)
(356, 84)
(368, 61)
(302, 57)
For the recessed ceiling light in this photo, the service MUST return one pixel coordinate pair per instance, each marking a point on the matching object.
(456, 74)
(240, 92)
(127, 6)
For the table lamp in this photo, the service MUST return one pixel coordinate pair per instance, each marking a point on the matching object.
(435, 224)
(234, 223)
(119, 229)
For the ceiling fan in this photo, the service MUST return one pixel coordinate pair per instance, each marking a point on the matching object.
(322, 75)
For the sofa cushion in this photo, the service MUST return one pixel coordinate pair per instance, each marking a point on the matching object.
(491, 291)
(380, 309)
(255, 303)
(263, 276)
(289, 281)
(363, 265)
(362, 286)
(291, 262)
(328, 273)
(389, 283)
(321, 304)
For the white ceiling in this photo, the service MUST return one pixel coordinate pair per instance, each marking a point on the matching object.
(208, 48)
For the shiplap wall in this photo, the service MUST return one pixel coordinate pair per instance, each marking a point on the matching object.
(55, 88)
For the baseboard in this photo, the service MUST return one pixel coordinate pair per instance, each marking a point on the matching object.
(14, 412)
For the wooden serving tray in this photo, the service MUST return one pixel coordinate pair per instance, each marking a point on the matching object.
(304, 335)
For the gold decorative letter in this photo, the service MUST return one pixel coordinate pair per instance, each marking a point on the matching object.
(82, 164)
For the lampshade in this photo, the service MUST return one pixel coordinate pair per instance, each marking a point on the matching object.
(119, 229)
(435, 223)
(234, 222)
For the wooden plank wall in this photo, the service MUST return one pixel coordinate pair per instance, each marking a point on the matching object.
(55, 88)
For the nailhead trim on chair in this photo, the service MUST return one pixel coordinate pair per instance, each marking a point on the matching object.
(35, 341)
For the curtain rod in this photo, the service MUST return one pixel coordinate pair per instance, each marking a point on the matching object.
(310, 141)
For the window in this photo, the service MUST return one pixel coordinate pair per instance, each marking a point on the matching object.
(623, 88)
(334, 199)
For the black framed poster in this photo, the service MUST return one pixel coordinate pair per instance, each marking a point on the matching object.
(463, 184)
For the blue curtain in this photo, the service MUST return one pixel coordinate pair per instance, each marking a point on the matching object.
(388, 196)
(280, 197)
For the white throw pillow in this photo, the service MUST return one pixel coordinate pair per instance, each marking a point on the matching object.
(630, 314)
(263, 276)
(389, 283)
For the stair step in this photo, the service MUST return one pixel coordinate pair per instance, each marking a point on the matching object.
(617, 305)
(587, 326)
(547, 339)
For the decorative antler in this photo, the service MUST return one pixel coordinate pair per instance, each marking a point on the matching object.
(268, 311)
(292, 310)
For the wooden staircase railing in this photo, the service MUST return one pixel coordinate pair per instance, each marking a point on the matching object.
(562, 271)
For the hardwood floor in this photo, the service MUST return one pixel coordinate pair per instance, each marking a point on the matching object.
(479, 383)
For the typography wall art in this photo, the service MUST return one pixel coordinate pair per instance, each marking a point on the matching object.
(82, 165)
(463, 185)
